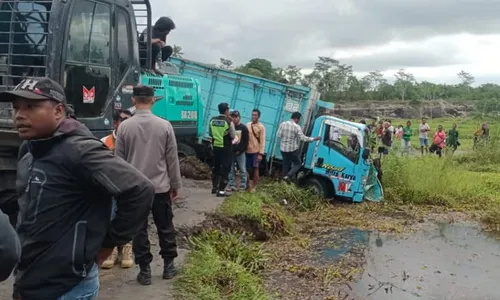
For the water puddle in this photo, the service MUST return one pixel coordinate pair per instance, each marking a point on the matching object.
(442, 262)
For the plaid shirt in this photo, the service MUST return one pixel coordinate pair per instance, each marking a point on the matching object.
(291, 134)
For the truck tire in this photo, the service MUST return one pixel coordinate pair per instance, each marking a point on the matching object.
(184, 151)
(321, 186)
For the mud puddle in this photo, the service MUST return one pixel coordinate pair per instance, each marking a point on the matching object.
(442, 261)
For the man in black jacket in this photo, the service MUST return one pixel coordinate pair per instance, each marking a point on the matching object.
(10, 249)
(66, 179)
(239, 153)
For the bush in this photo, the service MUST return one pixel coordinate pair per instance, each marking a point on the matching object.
(258, 214)
(233, 246)
(433, 181)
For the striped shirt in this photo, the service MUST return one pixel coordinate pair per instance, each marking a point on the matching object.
(291, 134)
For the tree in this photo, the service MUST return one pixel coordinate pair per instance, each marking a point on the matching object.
(177, 51)
(403, 81)
(467, 79)
(337, 82)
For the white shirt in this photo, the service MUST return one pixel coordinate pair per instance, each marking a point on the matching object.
(421, 133)
(291, 134)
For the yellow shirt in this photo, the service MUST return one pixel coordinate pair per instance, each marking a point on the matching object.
(256, 138)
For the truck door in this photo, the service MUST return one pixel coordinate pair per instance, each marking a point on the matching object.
(87, 69)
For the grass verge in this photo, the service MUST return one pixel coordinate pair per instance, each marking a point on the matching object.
(227, 251)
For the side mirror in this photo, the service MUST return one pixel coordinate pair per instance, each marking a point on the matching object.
(366, 154)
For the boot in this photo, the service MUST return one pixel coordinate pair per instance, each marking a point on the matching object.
(110, 261)
(169, 270)
(144, 276)
(127, 257)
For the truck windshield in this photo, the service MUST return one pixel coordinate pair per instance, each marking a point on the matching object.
(342, 142)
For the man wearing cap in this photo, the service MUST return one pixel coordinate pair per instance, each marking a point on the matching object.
(222, 132)
(240, 145)
(148, 143)
(66, 179)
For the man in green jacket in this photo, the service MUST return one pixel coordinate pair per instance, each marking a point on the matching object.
(222, 132)
(452, 138)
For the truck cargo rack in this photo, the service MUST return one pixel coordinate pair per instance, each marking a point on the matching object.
(24, 30)
(142, 12)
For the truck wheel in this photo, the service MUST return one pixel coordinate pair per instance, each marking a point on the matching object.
(320, 186)
(184, 151)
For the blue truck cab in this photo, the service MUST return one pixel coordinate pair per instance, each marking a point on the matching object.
(336, 167)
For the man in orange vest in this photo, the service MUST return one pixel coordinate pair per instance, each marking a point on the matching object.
(127, 260)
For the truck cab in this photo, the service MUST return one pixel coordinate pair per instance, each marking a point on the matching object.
(339, 165)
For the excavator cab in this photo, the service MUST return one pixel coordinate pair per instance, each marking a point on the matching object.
(91, 47)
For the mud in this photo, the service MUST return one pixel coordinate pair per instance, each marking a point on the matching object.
(441, 261)
(195, 200)
(193, 168)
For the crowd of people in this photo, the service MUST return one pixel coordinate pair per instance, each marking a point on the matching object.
(242, 147)
(383, 137)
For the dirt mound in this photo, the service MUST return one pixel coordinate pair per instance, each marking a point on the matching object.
(262, 230)
(193, 168)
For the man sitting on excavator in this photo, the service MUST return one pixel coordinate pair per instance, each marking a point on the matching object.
(159, 34)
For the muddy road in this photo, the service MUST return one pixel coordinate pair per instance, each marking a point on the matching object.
(195, 200)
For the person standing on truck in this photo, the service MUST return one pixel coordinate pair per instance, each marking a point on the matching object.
(222, 132)
(239, 153)
(148, 143)
(126, 251)
(159, 34)
(255, 149)
(66, 179)
(291, 134)
(10, 248)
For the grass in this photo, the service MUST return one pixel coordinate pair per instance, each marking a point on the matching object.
(225, 263)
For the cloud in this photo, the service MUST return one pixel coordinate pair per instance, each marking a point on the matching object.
(297, 31)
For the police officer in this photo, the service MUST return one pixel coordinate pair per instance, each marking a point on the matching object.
(222, 133)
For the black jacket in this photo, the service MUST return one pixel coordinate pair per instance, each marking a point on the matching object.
(241, 147)
(65, 185)
(10, 249)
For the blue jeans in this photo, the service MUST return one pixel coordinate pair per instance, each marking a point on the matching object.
(87, 289)
(241, 161)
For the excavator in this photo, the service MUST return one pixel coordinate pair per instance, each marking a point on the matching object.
(92, 48)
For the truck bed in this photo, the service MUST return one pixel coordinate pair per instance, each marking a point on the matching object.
(243, 92)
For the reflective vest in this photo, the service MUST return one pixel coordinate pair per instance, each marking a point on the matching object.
(219, 128)
(109, 141)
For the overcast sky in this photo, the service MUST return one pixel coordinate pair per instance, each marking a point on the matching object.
(432, 39)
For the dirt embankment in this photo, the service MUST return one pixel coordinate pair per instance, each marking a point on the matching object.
(403, 110)
(193, 168)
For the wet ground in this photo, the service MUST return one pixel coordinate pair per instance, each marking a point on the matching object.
(117, 283)
(443, 261)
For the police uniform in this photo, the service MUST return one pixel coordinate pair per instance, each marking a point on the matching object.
(222, 133)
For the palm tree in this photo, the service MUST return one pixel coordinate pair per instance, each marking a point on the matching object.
(177, 51)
